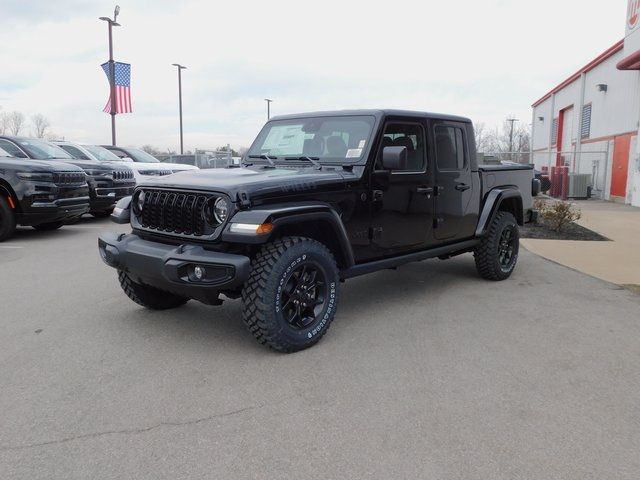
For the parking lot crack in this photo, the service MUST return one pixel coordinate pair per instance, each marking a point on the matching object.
(132, 431)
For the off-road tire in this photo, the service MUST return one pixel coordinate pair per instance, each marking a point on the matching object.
(47, 227)
(261, 307)
(102, 213)
(7, 220)
(487, 253)
(149, 297)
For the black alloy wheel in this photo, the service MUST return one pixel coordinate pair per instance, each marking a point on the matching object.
(304, 295)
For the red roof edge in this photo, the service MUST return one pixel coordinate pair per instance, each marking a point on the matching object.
(631, 62)
(588, 67)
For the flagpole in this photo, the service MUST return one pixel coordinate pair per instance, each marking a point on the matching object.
(112, 85)
(112, 72)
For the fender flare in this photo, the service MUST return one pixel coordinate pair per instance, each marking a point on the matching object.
(282, 215)
(492, 203)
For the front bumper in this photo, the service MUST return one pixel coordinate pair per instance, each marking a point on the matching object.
(104, 197)
(170, 268)
(61, 210)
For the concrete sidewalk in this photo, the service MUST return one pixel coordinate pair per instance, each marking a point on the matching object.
(617, 261)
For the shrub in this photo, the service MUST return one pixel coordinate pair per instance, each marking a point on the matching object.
(559, 214)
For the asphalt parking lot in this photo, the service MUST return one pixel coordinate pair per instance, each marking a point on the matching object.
(427, 372)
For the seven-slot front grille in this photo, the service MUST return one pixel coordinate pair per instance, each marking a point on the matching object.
(69, 178)
(175, 212)
(122, 175)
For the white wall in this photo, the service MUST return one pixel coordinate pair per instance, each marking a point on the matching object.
(616, 111)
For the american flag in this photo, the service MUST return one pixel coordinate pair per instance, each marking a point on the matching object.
(123, 87)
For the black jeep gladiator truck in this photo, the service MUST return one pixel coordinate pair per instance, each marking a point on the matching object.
(107, 182)
(44, 195)
(319, 198)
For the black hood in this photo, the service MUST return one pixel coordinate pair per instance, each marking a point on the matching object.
(256, 181)
(28, 165)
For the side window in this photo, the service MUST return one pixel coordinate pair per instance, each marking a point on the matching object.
(409, 135)
(450, 150)
(74, 152)
(11, 149)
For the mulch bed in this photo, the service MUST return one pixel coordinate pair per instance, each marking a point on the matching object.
(572, 231)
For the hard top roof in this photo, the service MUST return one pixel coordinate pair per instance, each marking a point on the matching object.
(376, 113)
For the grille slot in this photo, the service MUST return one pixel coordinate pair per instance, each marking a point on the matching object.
(69, 178)
(175, 212)
(122, 175)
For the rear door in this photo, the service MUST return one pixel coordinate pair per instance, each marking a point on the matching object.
(402, 200)
(453, 181)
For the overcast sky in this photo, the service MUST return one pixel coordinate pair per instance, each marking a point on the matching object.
(482, 59)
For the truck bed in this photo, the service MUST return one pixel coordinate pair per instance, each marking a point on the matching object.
(519, 176)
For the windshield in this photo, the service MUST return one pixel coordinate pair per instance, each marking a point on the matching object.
(41, 150)
(141, 156)
(102, 154)
(4, 153)
(332, 139)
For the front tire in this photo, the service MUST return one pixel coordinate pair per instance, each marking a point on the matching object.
(149, 297)
(497, 254)
(290, 298)
(7, 220)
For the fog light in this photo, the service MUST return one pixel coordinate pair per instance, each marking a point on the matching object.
(199, 272)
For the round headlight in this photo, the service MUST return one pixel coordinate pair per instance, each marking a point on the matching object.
(221, 210)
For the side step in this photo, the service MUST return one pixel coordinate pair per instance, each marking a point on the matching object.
(385, 263)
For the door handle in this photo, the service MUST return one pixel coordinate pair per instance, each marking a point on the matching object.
(424, 190)
(462, 187)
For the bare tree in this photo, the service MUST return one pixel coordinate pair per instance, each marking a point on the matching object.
(40, 124)
(501, 140)
(16, 122)
(151, 150)
(4, 122)
(482, 137)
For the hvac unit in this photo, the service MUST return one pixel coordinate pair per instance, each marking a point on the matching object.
(579, 185)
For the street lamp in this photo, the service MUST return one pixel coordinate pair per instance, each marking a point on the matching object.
(180, 68)
(268, 100)
(512, 121)
(112, 71)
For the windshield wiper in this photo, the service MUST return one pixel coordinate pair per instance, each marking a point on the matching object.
(268, 158)
(313, 160)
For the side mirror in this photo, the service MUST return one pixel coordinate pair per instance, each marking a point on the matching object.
(394, 158)
(127, 159)
(122, 211)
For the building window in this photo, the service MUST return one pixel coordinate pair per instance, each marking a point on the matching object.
(585, 131)
(554, 132)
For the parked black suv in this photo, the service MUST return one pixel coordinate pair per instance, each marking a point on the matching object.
(321, 197)
(44, 195)
(107, 183)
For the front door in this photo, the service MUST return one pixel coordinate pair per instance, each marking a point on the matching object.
(620, 166)
(453, 182)
(402, 200)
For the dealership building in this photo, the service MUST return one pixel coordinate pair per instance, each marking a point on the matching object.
(589, 122)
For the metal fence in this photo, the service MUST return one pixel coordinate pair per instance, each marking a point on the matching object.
(575, 174)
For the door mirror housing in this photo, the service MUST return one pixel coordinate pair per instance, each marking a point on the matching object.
(122, 211)
(394, 158)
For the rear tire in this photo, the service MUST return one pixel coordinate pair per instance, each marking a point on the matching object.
(149, 297)
(497, 254)
(47, 227)
(7, 220)
(290, 298)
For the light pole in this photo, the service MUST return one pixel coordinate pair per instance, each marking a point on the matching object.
(180, 68)
(512, 121)
(268, 100)
(112, 71)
